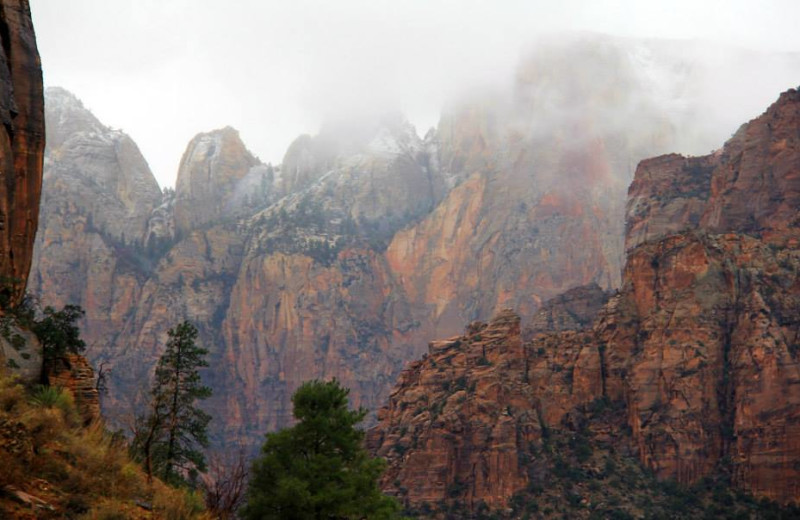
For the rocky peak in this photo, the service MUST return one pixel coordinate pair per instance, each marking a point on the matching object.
(211, 166)
(66, 116)
(756, 186)
(344, 140)
(574, 309)
(100, 168)
(751, 185)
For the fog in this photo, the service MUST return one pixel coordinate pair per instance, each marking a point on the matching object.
(164, 70)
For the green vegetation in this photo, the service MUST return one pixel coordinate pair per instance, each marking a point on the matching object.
(57, 330)
(318, 468)
(59, 333)
(168, 437)
(53, 397)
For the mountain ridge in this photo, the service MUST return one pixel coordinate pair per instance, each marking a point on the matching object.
(345, 259)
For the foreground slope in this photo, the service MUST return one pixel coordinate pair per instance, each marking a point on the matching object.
(691, 368)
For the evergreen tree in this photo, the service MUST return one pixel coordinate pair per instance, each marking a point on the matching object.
(59, 334)
(318, 469)
(169, 437)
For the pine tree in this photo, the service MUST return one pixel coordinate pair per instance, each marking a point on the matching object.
(318, 468)
(170, 435)
(59, 335)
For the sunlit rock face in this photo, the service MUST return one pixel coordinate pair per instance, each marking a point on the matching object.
(698, 349)
(21, 145)
(210, 168)
(365, 242)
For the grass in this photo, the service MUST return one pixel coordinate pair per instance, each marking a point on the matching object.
(81, 472)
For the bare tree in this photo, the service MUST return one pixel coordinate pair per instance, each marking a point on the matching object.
(101, 378)
(225, 483)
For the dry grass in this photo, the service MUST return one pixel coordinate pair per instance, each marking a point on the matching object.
(81, 472)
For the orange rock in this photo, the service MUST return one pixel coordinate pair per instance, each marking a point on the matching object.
(701, 344)
(21, 145)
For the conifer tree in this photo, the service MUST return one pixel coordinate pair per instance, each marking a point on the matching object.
(318, 469)
(170, 436)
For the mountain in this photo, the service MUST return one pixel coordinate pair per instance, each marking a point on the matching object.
(368, 239)
(689, 373)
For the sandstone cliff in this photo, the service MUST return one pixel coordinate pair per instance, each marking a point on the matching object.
(74, 373)
(209, 170)
(96, 204)
(21, 156)
(21, 145)
(367, 241)
(691, 368)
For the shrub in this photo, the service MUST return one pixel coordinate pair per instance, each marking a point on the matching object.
(54, 397)
(177, 504)
(12, 394)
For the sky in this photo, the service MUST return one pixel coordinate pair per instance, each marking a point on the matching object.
(165, 70)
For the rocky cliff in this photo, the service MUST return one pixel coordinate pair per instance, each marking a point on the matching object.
(210, 168)
(21, 145)
(367, 241)
(74, 373)
(96, 204)
(691, 368)
(21, 156)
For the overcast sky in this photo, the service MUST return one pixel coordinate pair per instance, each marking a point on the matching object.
(164, 70)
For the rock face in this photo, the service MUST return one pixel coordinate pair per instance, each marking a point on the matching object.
(21, 144)
(367, 241)
(573, 310)
(209, 170)
(97, 200)
(458, 431)
(74, 373)
(698, 351)
(20, 350)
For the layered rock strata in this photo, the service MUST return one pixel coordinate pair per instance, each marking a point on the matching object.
(698, 351)
(74, 374)
(367, 241)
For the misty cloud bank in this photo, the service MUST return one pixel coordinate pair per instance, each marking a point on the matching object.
(165, 71)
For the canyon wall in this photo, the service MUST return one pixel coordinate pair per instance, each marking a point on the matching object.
(21, 145)
(691, 367)
(364, 243)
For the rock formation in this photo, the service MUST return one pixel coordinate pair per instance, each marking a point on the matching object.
(97, 200)
(21, 145)
(367, 241)
(21, 157)
(697, 354)
(74, 373)
(209, 170)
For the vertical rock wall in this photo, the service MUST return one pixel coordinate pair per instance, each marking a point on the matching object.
(21, 143)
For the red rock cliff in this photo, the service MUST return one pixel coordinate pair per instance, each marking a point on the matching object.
(21, 142)
(698, 351)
